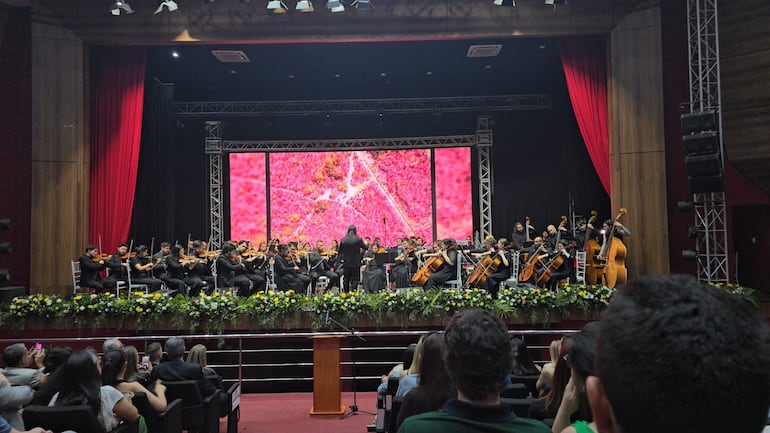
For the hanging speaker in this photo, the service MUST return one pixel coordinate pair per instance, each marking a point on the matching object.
(699, 121)
(700, 143)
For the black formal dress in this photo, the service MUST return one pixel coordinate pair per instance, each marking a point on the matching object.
(444, 273)
(501, 274)
(374, 275)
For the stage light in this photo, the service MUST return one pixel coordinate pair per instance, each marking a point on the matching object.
(5, 275)
(305, 6)
(692, 232)
(504, 2)
(277, 6)
(685, 206)
(120, 7)
(169, 4)
(5, 224)
(335, 6)
(5, 248)
(363, 5)
(689, 255)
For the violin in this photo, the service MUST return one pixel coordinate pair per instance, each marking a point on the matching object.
(127, 256)
(101, 257)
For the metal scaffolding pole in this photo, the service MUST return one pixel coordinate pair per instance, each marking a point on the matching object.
(214, 150)
(484, 141)
(705, 94)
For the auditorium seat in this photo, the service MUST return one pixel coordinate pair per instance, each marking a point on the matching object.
(530, 381)
(75, 418)
(198, 413)
(226, 408)
(520, 406)
(515, 390)
(168, 421)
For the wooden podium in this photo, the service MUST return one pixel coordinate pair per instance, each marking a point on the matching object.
(326, 376)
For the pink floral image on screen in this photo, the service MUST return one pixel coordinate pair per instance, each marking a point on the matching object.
(454, 203)
(317, 195)
(248, 196)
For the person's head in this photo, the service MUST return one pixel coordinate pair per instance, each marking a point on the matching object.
(174, 348)
(502, 243)
(351, 229)
(141, 251)
(197, 355)
(674, 355)
(408, 356)
(14, 355)
(92, 250)
(228, 249)
(80, 380)
(607, 224)
(581, 224)
(55, 358)
(122, 249)
(111, 344)
(432, 370)
(489, 241)
(113, 367)
(553, 351)
(580, 356)
(132, 362)
(177, 251)
(478, 353)
(165, 248)
(197, 246)
(283, 249)
(319, 245)
(414, 368)
(154, 351)
(519, 227)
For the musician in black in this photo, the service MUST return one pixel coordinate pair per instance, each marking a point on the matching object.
(141, 266)
(115, 265)
(318, 259)
(447, 250)
(159, 269)
(202, 268)
(519, 235)
(566, 270)
(405, 264)
(374, 274)
(581, 233)
(176, 267)
(287, 274)
(351, 249)
(502, 257)
(254, 262)
(89, 271)
(231, 271)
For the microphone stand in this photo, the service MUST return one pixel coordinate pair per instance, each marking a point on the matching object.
(353, 407)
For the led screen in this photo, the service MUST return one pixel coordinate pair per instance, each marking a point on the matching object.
(316, 195)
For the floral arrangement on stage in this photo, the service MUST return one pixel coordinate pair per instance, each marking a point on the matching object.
(291, 310)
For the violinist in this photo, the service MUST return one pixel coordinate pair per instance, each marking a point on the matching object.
(231, 270)
(115, 266)
(176, 269)
(319, 265)
(253, 260)
(374, 274)
(159, 258)
(446, 249)
(350, 250)
(405, 264)
(141, 266)
(287, 274)
(89, 271)
(503, 271)
(202, 266)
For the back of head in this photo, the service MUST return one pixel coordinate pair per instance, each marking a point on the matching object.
(13, 354)
(111, 344)
(351, 229)
(132, 360)
(80, 380)
(56, 357)
(414, 367)
(432, 370)
(197, 355)
(154, 351)
(675, 356)
(408, 356)
(580, 354)
(478, 353)
(175, 348)
(112, 365)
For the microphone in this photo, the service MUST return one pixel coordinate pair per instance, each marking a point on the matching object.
(327, 316)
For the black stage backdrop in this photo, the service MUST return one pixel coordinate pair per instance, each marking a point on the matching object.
(539, 160)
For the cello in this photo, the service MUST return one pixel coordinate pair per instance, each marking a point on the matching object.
(555, 263)
(531, 264)
(614, 252)
(594, 266)
(428, 268)
(486, 267)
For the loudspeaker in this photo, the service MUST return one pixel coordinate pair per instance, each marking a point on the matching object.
(703, 165)
(705, 184)
(699, 121)
(702, 142)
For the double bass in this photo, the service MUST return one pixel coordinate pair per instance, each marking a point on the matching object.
(594, 266)
(614, 253)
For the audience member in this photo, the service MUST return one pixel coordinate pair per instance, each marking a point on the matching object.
(7, 428)
(478, 358)
(434, 388)
(676, 356)
(155, 352)
(114, 374)
(523, 364)
(545, 408)
(580, 359)
(18, 359)
(546, 374)
(12, 398)
(132, 363)
(176, 368)
(410, 376)
(81, 384)
(111, 344)
(197, 355)
(406, 362)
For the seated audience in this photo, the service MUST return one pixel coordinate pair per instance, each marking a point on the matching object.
(12, 398)
(434, 388)
(155, 352)
(111, 344)
(81, 384)
(177, 369)
(132, 364)
(580, 359)
(7, 428)
(545, 408)
(114, 374)
(197, 355)
(410, 376)
(546, 374)
(523, 364)
(18, 360)
(477, 355)
(677, 356)
(406, 362)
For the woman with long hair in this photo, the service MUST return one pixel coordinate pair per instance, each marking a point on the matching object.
(411, 375)
(81, 385)
(546, 375)
(197, 355)
(580, 359)
(114, 375)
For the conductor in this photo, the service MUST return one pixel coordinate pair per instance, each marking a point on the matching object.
(350, 251)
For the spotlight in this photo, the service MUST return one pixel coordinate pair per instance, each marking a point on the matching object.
(277, 6)
(689, 255)
(335, 6)
(685, 206)
(692, 232)
(363, 5)
(120, 7)
(170, 4)
(5, 275)
(305, 6)
(504, 2)
(5, 248)
(5, 224)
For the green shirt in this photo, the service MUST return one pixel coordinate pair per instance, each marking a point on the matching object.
(462, 417)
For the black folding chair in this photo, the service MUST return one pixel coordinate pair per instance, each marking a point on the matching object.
(168, 421)
(80, 418)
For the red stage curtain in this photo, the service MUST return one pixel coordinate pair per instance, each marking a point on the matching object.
(117, 97)
(585, 67)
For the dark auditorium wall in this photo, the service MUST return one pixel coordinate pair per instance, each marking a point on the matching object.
(15, 145)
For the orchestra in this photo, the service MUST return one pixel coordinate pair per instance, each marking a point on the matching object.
(547, 260)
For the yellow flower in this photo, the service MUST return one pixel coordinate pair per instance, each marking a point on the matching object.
(139, 309)
(138, 293)
(343, 295)
(157, 296)
(216, 294)
(78, 297)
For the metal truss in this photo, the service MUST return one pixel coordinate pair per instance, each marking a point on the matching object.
(351, 106)
(349, 144)
(711, 244)
(484, 142)
(214, 150)
(705, 94)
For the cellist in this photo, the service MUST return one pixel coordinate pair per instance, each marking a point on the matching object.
(566, 269)
(447, 249)
(503, 271)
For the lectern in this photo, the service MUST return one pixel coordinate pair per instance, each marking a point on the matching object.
(326, 376)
